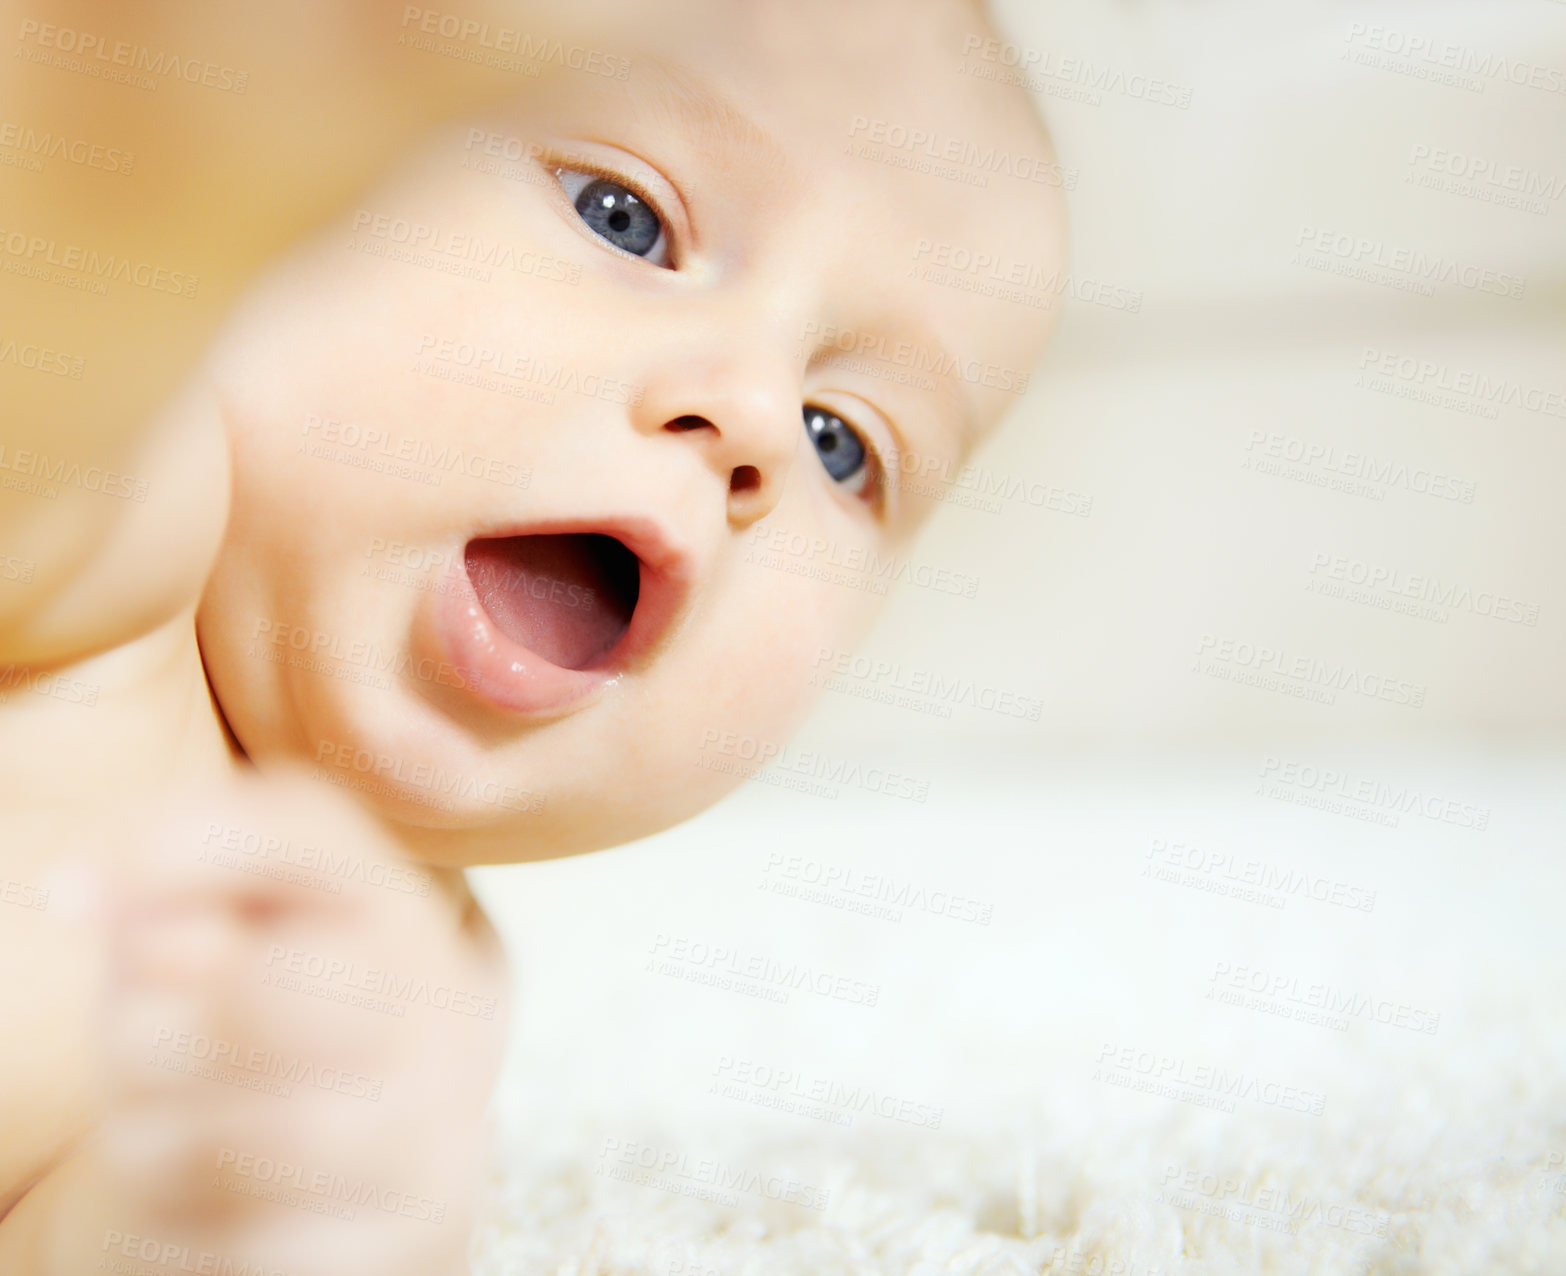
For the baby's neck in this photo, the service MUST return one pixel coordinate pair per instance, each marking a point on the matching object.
(203, 743)
(450, 882)
(132, 721)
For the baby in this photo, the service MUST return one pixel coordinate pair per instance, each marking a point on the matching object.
(494, 510)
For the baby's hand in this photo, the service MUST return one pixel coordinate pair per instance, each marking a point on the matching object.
(303, 1029)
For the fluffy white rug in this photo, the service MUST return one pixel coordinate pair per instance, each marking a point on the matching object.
(1461, 1174)
(1098, 1113)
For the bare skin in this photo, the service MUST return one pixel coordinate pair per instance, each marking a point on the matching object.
(289, 1071)
(199, 720)
(211, 183)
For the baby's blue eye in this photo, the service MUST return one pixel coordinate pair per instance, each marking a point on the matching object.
(614, 212)
(840, 448)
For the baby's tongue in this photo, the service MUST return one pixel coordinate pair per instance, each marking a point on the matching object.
(568, 598)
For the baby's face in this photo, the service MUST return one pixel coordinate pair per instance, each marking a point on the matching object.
(562, 458)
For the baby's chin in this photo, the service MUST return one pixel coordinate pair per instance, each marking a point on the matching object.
(397, 755)
(453, 798)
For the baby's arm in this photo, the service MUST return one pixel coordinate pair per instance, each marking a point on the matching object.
(104, 569)
(347, 1023)
(219, 179)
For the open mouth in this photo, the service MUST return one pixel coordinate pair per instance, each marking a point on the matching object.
(543, 618)
(567, 597)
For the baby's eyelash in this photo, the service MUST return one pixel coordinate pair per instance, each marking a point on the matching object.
(618, 211)
(584, 166)
(882, 461)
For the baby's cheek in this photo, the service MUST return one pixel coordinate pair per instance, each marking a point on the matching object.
(797, 613)
(750, 669)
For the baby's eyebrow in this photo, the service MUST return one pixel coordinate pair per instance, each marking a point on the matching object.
(935, 359)
(716, 121)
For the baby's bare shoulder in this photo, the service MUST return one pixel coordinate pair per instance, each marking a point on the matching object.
(96, 553)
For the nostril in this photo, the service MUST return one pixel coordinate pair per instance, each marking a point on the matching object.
(746, 478)
(682, 423)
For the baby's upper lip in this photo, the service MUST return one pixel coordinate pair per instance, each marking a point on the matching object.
(668, 571)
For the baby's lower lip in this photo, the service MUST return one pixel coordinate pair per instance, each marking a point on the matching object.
(501, 671)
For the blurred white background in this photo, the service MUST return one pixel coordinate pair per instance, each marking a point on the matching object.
(1199, 211)
(1450, 811)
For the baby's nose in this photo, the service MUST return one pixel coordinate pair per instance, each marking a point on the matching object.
(743, 422)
